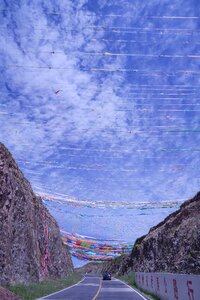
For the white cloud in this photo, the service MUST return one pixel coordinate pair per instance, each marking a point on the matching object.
(56, 98)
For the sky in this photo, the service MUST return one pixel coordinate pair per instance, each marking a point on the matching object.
(100, 108)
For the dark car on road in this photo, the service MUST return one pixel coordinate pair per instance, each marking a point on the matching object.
(106, 276)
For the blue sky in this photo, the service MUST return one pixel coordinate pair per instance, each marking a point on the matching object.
(100, 102)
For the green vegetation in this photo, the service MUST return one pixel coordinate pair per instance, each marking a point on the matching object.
(130, 279)
(149, 295)
(37, 290)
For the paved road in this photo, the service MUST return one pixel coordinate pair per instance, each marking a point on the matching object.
(116, 290)
(85, 290)
(93, 288)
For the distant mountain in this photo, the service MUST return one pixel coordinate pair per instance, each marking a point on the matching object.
(31, 248)
(91, 268)
(171, 246)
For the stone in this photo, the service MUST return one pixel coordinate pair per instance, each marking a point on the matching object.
(173, 246)
(31, 248)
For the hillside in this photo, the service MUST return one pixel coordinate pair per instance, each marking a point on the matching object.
(90, 268)
(171, 246)
(31, 248)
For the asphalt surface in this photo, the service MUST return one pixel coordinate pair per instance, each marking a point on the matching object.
(85, 290)
(116, 290)
(94, 288)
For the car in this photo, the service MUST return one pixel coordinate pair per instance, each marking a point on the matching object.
(106, 276)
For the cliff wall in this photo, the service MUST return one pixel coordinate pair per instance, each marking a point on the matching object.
(31, 248)
(171, 246)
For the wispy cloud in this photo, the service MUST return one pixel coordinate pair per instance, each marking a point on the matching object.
(100, 100)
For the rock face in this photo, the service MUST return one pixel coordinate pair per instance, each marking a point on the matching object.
(31, 248)
(174, 244)
(171, 246)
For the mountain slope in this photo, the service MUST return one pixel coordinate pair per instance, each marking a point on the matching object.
(31, 248)
(171, 246)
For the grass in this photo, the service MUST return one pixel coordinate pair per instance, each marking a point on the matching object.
(130, 279)
(37, 290)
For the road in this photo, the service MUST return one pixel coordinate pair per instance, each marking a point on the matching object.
(94, 288)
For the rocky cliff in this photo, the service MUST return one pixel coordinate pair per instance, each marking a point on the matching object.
(171, 246)
(31, 248)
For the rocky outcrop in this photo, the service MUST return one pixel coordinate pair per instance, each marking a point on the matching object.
(31, 248)
(171, 246)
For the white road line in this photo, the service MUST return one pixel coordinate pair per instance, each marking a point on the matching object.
(116, 289)
(99, 289)
(69, 287)
(88, 284)
(133, 289)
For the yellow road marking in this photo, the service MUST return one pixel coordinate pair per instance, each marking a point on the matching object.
(97, 294)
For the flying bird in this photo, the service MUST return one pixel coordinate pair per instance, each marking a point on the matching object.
(58, 91)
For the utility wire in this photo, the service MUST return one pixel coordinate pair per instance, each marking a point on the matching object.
(144, 55)
(126, 16)
(112, 150)
(105, 27)
(145, 72)
(121, 54)
(97, 167)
